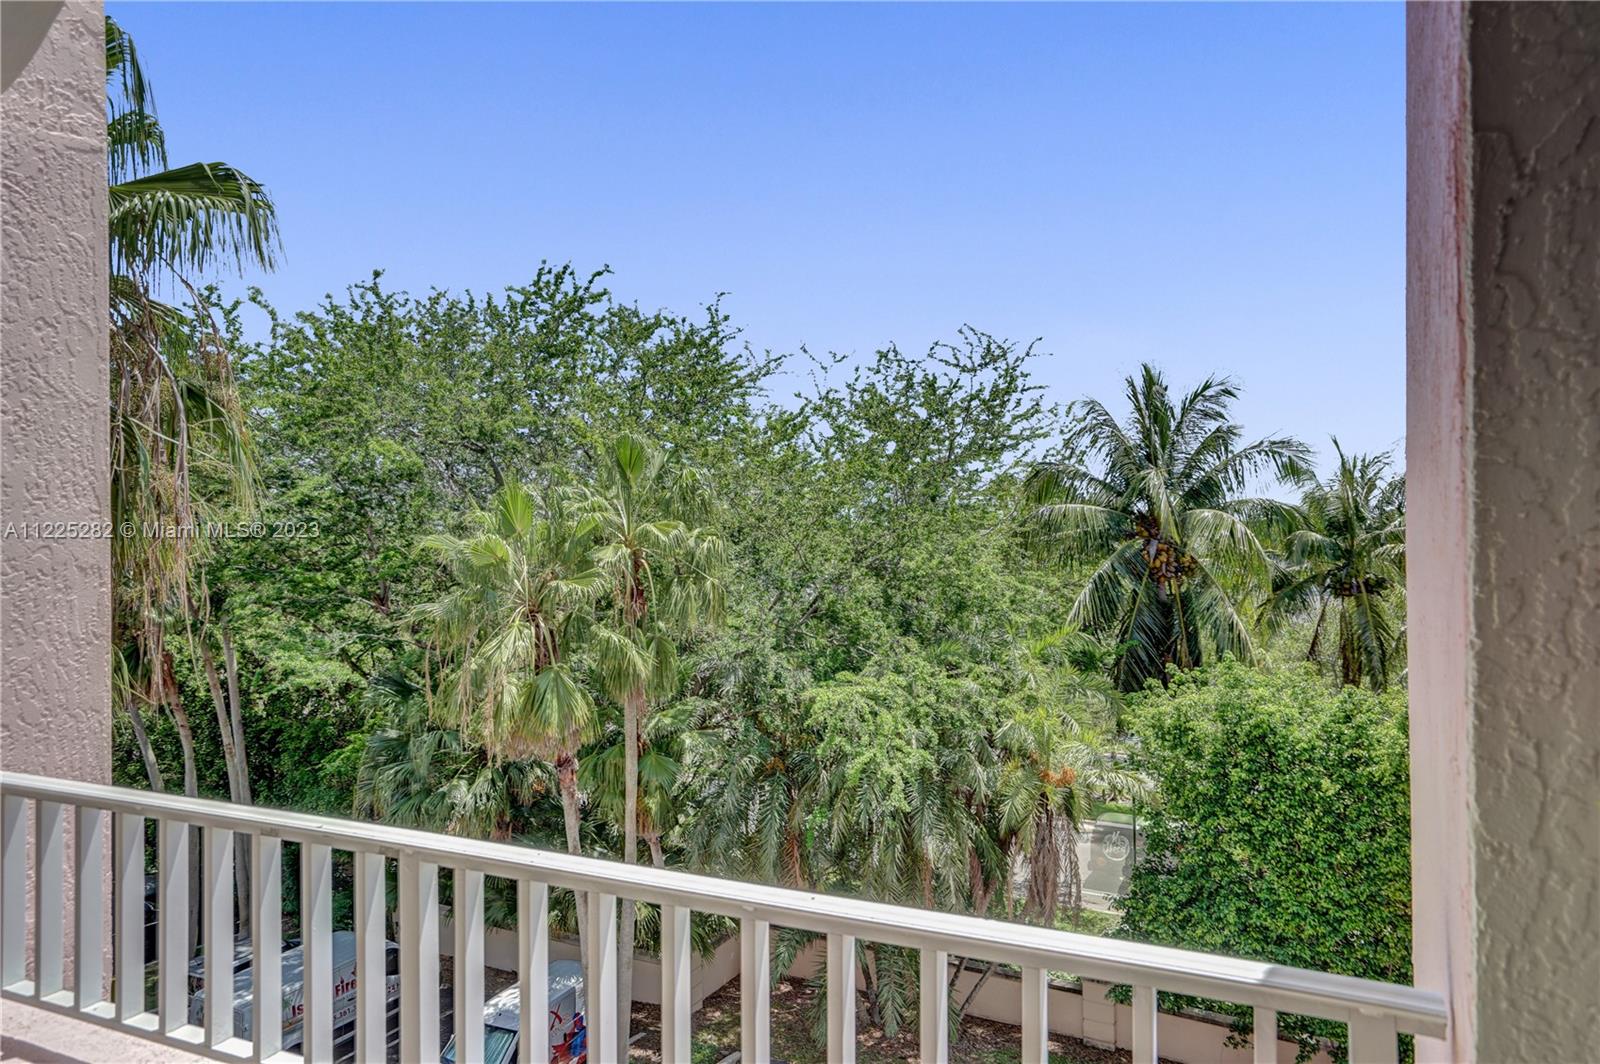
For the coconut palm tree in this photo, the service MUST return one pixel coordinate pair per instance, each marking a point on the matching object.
(1350, 555)
(176, 418)
(505, 635)
(665, 573)
(1156, 506)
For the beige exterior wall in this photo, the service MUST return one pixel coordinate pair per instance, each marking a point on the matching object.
(1503, 464)
(55, 587)
(55, 593)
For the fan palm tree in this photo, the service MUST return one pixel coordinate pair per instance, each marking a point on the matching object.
(507, 630)
(1350, 554)
(1155, 505)
(176, 418)
(416, 773)
(664, 570)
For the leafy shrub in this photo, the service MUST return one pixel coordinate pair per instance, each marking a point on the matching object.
(1282, 826)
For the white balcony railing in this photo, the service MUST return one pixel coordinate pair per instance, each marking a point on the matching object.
(1376, 1012)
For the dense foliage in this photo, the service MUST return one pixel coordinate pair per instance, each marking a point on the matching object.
(1281, 826)
(547, 567)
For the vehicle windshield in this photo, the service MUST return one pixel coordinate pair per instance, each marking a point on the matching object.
(499, 1046)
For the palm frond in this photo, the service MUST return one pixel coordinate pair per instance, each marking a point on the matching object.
(193, 217)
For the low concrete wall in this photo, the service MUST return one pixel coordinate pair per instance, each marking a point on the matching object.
(1085, 1012)
(707, 975)
(1075, 1012)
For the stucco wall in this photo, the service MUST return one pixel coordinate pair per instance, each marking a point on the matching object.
(1536, 527)
(55, 593)
(1503, 457)
(55, 586)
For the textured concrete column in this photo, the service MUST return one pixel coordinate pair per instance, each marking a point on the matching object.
(55, 579)
(55, 582)
(1503, 468)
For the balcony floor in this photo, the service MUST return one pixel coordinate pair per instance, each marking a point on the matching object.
(40, 1036)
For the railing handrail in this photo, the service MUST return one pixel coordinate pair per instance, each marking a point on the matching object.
(1280, 987)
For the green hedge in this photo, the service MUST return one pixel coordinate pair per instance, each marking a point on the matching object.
(1282, 826)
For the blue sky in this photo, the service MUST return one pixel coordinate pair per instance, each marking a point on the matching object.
(1216, 188)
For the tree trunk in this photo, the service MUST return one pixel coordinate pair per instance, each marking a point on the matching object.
(241, 841)
(793, 857)
(1044, 870)
(981, 887)
(219, 702)
(191, 777)
(191, 788)
(152, 770)
(1074, 872)
(1314, 651)
(230, 663)
(567, 781)
(1349, 647)
(632, 711)
(961, 1009)
(226, 704)
(869, 980)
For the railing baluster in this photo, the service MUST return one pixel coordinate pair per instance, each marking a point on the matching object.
(467, 916)
(934, 1045)
(1144, 1025)
(127, 935)
(266, 938)
(371, 967)
(49, 886)
(419, 958)
(172, 992)
(1373, 1040)
(38, 832)
(841, 999)
(89, 906)
(1265, 1036)
(755, 991)
(13, 889)
(316, 932)
(1035, 1016)
(533, 965)
(218, 910)
(676, 983)
(602, 998)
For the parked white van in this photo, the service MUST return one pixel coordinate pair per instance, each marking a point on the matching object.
(502, 1021)
(344, 990)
